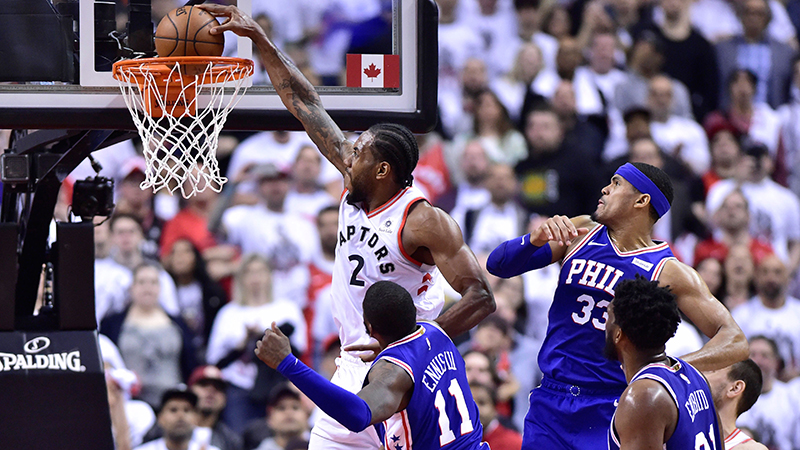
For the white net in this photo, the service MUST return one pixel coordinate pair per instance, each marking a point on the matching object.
(179, 108)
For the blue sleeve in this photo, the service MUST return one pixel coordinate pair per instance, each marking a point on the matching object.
(517, 256)
(345, 407)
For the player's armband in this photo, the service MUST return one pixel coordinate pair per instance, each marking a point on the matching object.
(345, 407)
(517, 256)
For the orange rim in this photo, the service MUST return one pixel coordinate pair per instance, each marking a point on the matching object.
(139, 69)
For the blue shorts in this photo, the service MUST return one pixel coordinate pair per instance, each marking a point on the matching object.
(568, 417)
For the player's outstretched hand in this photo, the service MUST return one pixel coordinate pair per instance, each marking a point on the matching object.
(557, 229)
(372, 349)
(238, 22)
(273, 347)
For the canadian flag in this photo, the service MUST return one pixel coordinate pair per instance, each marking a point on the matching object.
(373, 71)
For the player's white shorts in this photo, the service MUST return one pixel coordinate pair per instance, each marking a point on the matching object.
(330, 434)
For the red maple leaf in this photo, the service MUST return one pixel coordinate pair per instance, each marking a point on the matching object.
(372, 71)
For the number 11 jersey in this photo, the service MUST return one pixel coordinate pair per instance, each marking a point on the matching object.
(370, 249)
(572, 351)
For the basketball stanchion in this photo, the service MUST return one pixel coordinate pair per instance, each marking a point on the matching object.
(179, 105)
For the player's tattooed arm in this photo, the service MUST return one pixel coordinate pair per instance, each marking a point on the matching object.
(431, 236)
(389, 390)
(294, 89)
(727, 344)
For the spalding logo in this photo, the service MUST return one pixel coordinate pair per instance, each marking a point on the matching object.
(36, 344)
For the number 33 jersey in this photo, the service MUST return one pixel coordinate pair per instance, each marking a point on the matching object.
(370, 249)
(441, 411)
(572, 351)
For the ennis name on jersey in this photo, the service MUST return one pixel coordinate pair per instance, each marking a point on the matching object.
(370, 249)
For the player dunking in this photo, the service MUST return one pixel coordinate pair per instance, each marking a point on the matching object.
(668, 403)
(417, 386)
(387, 230)
(574, 404)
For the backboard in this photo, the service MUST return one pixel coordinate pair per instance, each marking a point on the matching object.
(59, 73)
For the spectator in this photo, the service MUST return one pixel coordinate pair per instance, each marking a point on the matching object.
(775, 415)
(774, 210)
(457, 43)
(590, 130)
(286, 418)
(528, 22)
(754, 50)
(732, 227)
(725, 154)
(493, 338)
(645, 61)
(688, 57)
(713, 274)
(125, 255)
(306, 196)
(191, 222)
(469, 192)
(497, 435)
(717, 20)
(774, 314)
(286, 240)
(130, 419)
(199, 297)
(177, 416)
(596, 83)
(500, 220)
(236, 328)
(739, 273)
(493, 127)
(682, 138)
(568, 58)
(133, 200)
(111, 279)
(496, 25)
(154, 345)
(550, 178)
(789, 115)
(527, 85)
(318, 315)
(750, 118)
(557, 22)
(480, 369)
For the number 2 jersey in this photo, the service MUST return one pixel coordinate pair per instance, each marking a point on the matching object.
(441, 412)
(697, 426)
(370, 249)
(572, 351)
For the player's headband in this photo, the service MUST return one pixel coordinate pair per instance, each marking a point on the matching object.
(645, 185)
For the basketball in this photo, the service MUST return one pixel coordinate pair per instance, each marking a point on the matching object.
(186, 31)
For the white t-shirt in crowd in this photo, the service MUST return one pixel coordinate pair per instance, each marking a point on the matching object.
(779, 324)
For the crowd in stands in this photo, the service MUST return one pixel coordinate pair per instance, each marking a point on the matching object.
(539, 102)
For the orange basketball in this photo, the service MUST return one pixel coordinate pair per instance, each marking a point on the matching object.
(186, 31)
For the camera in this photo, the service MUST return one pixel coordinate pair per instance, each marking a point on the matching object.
(93, 197)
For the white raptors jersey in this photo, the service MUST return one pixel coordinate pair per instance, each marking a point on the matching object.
(370, 249)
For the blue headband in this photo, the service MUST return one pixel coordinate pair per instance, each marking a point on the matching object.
(645, 185)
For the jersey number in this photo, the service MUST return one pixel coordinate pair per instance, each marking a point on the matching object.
(701, 443)
(359, 265)
(586, 312)
(447, 435)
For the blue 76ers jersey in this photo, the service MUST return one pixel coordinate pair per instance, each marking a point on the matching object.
(697, 426)
(572, 351)
(441, 412)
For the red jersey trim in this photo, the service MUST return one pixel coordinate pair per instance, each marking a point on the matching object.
(386, 205)
(400, 232)
(583, 241)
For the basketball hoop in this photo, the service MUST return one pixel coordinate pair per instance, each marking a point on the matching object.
(179, 133)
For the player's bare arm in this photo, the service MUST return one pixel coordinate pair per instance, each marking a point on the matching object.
(561, 233)
(728, 344)
(389, 390)
(646, 416)
(431, 236)
(295, 91)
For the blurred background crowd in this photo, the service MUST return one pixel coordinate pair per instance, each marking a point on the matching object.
(539, 102)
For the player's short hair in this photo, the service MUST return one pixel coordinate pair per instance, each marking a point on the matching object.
(749, 372)
(646, 312)
(388, 307)
(397, 145)
(662, 182)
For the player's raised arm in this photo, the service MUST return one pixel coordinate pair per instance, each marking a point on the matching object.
(547, 244)
(296, 92)
(432, 237)
(728, 344)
